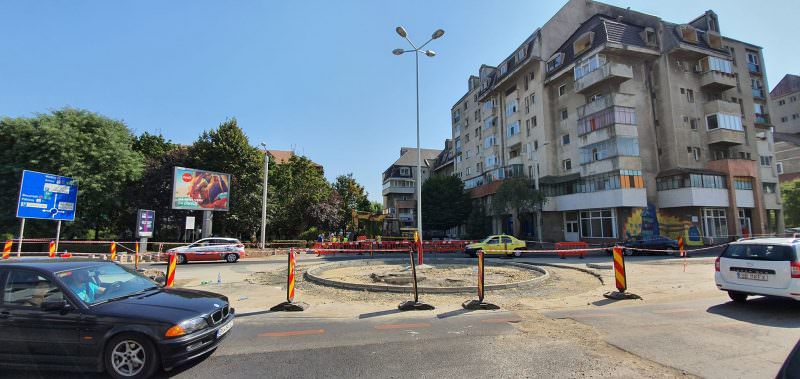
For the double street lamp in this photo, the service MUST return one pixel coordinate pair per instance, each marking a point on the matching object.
(417, 51)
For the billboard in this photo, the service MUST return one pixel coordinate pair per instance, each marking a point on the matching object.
(47, 196)
(145, 221)
(200, 190)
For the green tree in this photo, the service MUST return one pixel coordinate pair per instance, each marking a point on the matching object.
(518, 195)
(445, 204)
(302, 198)
(91, 148)
(790, 192)
(376, 207)
(478, 224)
(227, 149)
(352, 196)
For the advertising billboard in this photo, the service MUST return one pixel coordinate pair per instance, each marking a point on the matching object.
(200, 190)
(145, 222)
(47, 196)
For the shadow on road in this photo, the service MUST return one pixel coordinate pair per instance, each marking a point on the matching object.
(379, 313)
(768, 311)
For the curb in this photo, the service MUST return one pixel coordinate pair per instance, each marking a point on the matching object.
(312, 275)
(584, 270)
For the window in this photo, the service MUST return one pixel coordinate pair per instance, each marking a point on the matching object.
(716, 222)
(690, 180)
(555, 62)
(533, 121)
(690, 95)
(769, 187)
(724, 121)
(28, 289)
(491, 161)
(565, 139)
(468, 154)
(766, 160)
(405, 171)
(795, 116)
(583, 43)
(779, 167)
(466, 138)
(781, 102)
(457, 115)
(606, 117)
(457, 130)
(696, 153)
(513, 129)
(752, 61)
(477, 114)
(533, 98)
(503, 68)
(784, 119)
(598, 223)
(588, 65)
(567, 163)
(489, 141)
(489, 122)
(562, 89)
(511, 107)
(743, 183)
(469, 171)
(614, 147)
(688, 33)
(693, 123)
(536, 144)
(521, 54)
(650, 37)
(564, 113)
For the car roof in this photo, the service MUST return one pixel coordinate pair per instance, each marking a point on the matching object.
(50, 264)
(770, 240)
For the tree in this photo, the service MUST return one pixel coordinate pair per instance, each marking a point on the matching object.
(91, 148)
(445, 204)
(227, 149)
(790, 192)
(518, 195)
(376, 207)
(352, 197)
(302, 198)
(478, 224)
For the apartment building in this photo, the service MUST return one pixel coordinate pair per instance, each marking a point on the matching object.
(629, 124)
(785, 104)
(400, 189)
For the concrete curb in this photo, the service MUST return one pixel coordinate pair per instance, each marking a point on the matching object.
(584, 270)
(313, 275)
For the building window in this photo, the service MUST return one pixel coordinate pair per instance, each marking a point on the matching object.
(489, 122)
(779, 167)
(690, 95)
(503, 68)
(795, 116)
(607, 117)
(511, 107)
(565, 139)
(468, 154)
(491, 161)
(536, 144)
(567, 163)
(743, 183)
(696, 153)
(583, 43)
(555, 62)
(716, 222)
(690, 181)
(781, 102)
(753, 62)
(724, 121)
(650, 37)
(469, 171)
(533, 121)
(564, 113)
(693, 123)
(769, 187)
(688, 33)
(610, 148)
(489, 141)
(513, 129)
(586, 66)
(716, 64)
(533, 98)
(599, 223)
(766, 160)
(562, 89)
(405, 171)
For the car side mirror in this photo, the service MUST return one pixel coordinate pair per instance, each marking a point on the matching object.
(55, 305)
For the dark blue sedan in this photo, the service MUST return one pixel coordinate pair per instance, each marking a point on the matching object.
(668, 245)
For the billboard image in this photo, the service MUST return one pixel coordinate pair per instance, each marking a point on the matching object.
(47, 196)
(200, 190)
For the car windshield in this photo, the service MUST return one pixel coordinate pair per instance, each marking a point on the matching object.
(487, 239)
(760, 252)
(104, 282)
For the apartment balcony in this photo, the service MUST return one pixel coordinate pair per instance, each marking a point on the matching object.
(762, 120)
(609, 73)
(405, 204)
(754, 68)
(615, 163)
(622, 197)
(397, 189)
(611, 131)
(722, 106)
(758, 93)
(745, 199)
(725, 137)
(693, 197)
(717, 81)
(772, 201)
(622, 99)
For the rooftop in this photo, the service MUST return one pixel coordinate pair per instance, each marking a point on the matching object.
(789, 84)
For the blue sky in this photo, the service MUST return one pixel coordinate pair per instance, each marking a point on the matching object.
(316, 76)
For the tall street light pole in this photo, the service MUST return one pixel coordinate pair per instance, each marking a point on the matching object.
(417, 51)
(263, 243)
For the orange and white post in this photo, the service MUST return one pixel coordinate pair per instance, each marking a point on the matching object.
(290, 280)
(113, 251)
(290, 305)
(7, 249)
(171, 271)
(619, 270)
(52, 249)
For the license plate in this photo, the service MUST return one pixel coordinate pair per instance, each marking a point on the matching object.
(752, 276)
(224, 329)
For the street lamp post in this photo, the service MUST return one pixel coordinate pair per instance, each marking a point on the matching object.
(263, 243)
(417, 51)
(536, 185)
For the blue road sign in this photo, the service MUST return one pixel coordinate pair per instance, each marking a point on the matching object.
(47, 196)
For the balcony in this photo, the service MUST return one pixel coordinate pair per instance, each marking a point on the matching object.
(717, 81)
(693, 197)
(762, 120)
(725, 137)
(622, 197)
(722, 106)
(772, 201)
(609, 73)
(758, 93)
(622, 99)
(754, 68)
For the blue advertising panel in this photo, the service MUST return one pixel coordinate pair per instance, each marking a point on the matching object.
(47, 196)
(144, 223)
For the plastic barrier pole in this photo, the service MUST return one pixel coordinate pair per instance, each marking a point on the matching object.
(289, 305)
(480, 304)
(620, 278)
(290, 281)
(52, 249)
(113, 251)
(415, 305)
(136, 257)
(171, 271)
(7, 249)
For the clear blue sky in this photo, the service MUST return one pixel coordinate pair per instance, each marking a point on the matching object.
(318, 76)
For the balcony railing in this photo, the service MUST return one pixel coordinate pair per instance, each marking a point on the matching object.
(604, 102)
(754, 68)
(762, 118)
(758, 92)
(717, 81)
(610, 72)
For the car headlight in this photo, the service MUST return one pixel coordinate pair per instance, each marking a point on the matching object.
(187, 327)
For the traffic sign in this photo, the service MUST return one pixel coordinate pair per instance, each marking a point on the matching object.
(47, 196)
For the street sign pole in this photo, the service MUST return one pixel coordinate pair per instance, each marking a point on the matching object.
(21, 236)
(58, 233)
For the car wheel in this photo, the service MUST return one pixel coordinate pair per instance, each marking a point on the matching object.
(737, 296)
(231, 258)
(180, 259)
(130, 356)
(517, 253)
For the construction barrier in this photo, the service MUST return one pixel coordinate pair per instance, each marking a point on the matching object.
(290, 305)
(571, 249)
(388, 246)
(113, 251)
(7, 249)
(52, 249)
(290, 280)
(480, 304)
(620, 280)
(171, 271)
(414, 305)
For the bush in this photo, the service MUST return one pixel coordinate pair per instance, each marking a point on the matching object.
(310, 234)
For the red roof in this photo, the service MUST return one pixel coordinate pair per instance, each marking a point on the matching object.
(789, 84)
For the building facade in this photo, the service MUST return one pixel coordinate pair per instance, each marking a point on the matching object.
(629, 124)
(785, 104)
(400, 189)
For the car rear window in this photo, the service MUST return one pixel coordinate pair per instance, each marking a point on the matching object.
(759, 252)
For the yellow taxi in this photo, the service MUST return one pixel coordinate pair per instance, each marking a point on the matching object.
(497, 245)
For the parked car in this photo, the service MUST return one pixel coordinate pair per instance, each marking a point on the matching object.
(496, 244)
(760, 266)
(651, 243)
(98, 315)
(209, 249)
